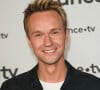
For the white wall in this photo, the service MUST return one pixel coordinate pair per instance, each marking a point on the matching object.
(83, 21)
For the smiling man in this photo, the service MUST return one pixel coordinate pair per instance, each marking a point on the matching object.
(46, 29)
(47, 37)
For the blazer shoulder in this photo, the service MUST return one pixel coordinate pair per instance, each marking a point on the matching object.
(17, 82)
(88, 81)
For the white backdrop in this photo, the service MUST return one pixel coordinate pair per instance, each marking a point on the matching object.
(83, 53)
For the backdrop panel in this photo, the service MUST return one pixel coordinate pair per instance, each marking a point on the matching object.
(84, 43)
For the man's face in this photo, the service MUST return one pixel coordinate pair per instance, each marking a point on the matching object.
(47, 36)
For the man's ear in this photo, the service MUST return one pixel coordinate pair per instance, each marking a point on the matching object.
(29, 41)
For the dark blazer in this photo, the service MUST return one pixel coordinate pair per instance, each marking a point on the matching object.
(75, 80)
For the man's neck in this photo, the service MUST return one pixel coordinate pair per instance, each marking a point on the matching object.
(52, 73)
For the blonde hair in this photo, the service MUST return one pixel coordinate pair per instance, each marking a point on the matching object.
(44, 5)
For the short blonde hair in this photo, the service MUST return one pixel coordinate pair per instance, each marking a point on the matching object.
(44, 5)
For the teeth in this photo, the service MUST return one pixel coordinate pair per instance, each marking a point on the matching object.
(49, 51)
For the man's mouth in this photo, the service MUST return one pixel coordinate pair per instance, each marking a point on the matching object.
(49, 51)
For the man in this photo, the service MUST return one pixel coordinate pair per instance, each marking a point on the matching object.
(46, 28)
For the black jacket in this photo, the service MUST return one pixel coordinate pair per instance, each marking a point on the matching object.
(75, 80)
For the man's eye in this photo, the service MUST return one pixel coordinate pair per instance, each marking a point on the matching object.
(55, 32)
(37, 35)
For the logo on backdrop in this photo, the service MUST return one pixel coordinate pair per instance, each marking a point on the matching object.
(92, 68)
(3, 35)
(8, 73)
(73, 2)
(87, 29)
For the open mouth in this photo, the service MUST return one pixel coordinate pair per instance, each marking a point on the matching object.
(49, 51)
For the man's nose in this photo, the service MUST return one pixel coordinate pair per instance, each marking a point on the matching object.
(48, 41)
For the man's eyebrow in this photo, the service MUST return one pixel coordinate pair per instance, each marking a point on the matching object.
(58, 28)
(34, 32)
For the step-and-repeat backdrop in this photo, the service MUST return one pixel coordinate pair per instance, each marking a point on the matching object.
(84, 43)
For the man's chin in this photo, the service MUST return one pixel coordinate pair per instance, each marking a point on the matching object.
(50, 61)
